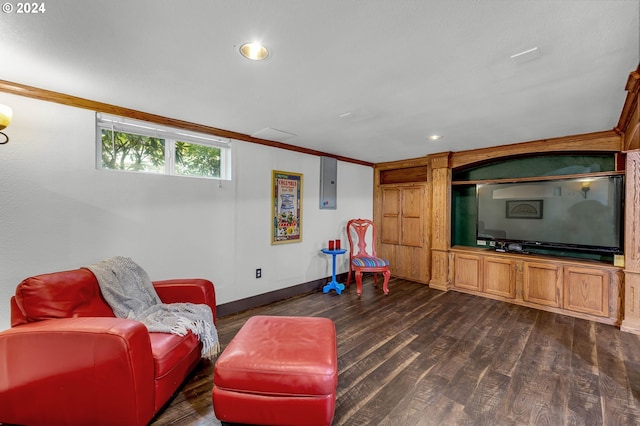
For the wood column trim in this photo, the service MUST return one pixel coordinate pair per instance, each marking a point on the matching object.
(631, 322)
(440, 220)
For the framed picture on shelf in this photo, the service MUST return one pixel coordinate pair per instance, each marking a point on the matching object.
(524, 209)
(286, 209)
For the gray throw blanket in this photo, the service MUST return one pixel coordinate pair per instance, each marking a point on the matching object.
(129, 292)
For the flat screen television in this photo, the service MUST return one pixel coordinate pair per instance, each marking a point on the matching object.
(582, 214)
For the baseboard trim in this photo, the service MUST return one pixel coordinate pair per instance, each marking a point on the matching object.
(236, 306)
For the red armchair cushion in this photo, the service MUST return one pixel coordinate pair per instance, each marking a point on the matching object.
(171, 349)
(65, 294)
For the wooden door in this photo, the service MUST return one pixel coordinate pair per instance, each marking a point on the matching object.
(402, 239)
(412, 211)
(411, 264)
(389, 226)
(391, 208)
(411, 256)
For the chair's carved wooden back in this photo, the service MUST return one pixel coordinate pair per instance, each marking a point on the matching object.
(360, 227)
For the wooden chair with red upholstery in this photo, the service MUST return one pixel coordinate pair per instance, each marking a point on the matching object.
(363, 258)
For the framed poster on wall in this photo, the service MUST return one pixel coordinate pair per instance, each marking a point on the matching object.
(286, 208)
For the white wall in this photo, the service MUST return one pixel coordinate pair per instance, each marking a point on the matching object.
(58, 212)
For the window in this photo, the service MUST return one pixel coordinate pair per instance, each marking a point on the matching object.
(138, 146)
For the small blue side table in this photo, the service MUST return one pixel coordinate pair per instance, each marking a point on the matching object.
(333, 285)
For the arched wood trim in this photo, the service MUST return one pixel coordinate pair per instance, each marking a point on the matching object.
(630, 116)
(606, 141)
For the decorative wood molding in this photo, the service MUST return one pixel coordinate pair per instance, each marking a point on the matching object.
(536, 178)
(440, 185)
(441, 201)
(606, 141)
(440, 270)
(404, 175)
(402, 164)
(632, 213)
(631, 321)
(74, 101)
(632, 137)
(628, 122)
(441, 160)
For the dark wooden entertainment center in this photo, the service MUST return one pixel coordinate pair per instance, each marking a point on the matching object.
(413, 210)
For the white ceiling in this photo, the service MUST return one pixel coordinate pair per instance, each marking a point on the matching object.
(404, 69)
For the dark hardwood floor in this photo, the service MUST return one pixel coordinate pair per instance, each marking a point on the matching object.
(419, 356)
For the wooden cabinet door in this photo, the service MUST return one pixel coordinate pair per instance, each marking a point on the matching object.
(587, 290)
(542, 284)
(412, 264)
(401, 232)
(390, 227)
(468, 272)
(412, 211)
(500, 276)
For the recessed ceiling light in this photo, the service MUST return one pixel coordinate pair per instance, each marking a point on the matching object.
(254, 51)
(434, 137)
(526, 55)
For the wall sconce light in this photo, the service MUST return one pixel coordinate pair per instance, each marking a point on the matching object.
(6, 113)
(585, 188)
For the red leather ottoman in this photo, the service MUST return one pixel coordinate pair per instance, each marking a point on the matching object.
(278, 371)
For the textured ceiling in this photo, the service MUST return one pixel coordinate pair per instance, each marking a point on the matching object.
(402, 69)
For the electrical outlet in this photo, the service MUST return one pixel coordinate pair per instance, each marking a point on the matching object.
(259, 273)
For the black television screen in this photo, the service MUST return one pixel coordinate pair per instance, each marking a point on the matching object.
(583, 214)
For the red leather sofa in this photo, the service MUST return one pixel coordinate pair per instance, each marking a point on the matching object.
(66, 360)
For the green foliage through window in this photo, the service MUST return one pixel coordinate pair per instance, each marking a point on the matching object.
(132, 145)
(197, 160)
(127, 151)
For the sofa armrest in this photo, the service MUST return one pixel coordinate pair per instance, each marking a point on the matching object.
(84, 370)
(192, 290)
